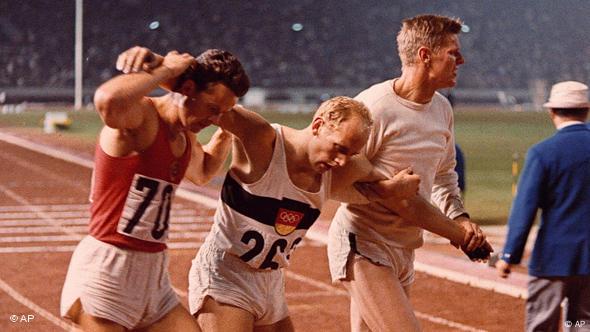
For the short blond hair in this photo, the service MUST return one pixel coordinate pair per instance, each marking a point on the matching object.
(430, 31)
(338, 109)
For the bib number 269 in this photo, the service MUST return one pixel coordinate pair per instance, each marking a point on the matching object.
(268, 262)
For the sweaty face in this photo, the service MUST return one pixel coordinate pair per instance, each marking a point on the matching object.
(204, 108)
(334, 147)
(444, 63)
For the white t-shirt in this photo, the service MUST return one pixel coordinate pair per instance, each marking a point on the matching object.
(406, 134)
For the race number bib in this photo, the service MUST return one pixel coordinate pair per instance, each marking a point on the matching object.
(147, 209)
(267, 253)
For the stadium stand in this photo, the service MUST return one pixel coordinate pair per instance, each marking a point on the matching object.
(337, 44)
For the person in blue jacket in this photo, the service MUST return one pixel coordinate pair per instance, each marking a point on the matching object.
(460, 168)
(556, 179)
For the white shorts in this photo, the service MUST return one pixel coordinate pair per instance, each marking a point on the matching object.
(227, 279)
(130, 288)
(344, 247)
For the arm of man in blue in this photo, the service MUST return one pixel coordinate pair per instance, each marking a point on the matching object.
(524, 209)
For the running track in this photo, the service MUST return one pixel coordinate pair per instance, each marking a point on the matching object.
(44, 213)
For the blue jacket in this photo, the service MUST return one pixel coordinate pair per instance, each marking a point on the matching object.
(555, 179)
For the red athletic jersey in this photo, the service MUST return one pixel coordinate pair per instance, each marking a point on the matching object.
(131, 196)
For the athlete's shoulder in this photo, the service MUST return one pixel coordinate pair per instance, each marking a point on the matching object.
(440, 99)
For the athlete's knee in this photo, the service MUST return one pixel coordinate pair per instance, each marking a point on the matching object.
(75, 312)
(284, 325)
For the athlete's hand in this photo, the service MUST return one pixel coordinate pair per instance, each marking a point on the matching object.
(481, 253)
(178, 63)
(503, 268)
(137, 59)
(405, 184)
(474, 236)
(402, 185)
(474, 245)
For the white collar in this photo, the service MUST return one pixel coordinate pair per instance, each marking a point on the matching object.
(567, 124)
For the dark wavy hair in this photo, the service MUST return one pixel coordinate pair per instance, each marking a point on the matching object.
(571, 112)
(217, 66)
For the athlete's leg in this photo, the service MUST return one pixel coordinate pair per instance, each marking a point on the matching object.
(214, 316)
(381, 313)
(407, 290)
(357, 324)
(284, 325)
(87, 322)
(178, 319)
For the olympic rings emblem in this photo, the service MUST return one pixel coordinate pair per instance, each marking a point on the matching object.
(289, 217)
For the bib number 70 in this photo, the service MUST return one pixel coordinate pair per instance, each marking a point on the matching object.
(147, 209)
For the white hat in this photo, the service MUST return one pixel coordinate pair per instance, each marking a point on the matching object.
(568, 94)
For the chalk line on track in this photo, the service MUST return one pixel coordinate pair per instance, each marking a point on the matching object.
(42, 312)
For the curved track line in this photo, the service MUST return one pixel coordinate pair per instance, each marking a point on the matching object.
(42, 312)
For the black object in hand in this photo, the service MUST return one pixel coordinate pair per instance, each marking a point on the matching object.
(479, 253)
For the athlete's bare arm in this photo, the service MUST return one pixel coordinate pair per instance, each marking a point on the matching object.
(122, 102)
(207, 160)
(359, 182)
(253, 145)
(130, 117)
(399, 195)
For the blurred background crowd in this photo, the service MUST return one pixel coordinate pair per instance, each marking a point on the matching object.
(303, 43)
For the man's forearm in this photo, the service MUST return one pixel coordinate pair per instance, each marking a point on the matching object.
(215, 153)
(421, 213)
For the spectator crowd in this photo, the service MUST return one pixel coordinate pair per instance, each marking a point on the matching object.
(304, 43)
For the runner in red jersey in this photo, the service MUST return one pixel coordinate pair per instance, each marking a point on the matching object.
(118, 279)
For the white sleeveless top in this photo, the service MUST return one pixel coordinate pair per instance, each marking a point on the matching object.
(263, 222)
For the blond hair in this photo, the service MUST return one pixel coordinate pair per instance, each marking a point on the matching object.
(430, 31)
(338, 109)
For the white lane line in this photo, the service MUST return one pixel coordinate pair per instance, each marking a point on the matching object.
(465, 279)
(78, 237)
(448, 274)
(84, 221)
(315, 283)
(330, 290)
(34, 222)
(42, 312)
(82, 229)
(446, 322)
(52, 152)
(77, 214)
(33, 249)
(47, 238)
(41, 215)
(302, 306)
(53, 207)
(312, 295)
(44, 149)
(54, 177)
(48, 214)
(177, 208)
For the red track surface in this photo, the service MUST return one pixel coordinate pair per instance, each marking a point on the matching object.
(43, 208)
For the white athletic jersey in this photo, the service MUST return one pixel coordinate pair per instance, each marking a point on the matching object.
(406, 134)
(263, 222)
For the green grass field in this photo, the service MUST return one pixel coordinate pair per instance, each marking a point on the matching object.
(489, 139)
